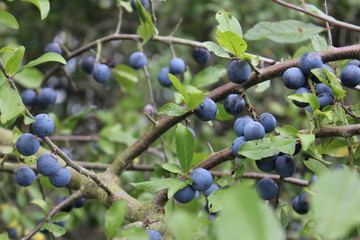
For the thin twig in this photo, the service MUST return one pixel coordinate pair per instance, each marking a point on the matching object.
(330, 42)
(148, 81)
(330, 20)
(120, 16)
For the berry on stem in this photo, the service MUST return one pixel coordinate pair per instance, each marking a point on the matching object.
(27, 144)
(24, 176)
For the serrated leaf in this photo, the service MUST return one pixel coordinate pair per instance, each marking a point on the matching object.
(222, 115)
(47, 57)
(61, 216)
(317, 167)
(327, 77)
(306, 97)
(216, 49)
(8, 20)
(227, 22)
(284, 217)
(184, 146)
(42, 204)
(29, 78)
(335, 204)
(288, 31)
(42, 5)
(287, 131)
(11, 105)
(319, 43)
(114, 217)
(146, 29)
(257, 149)
(315, 153)
(157, 185)
(172, 167)
(172, 109)
(55, 229)
(306, 140)
(195, 99)
(177, 84)
(209, 75)
(15, 60)
(251, 58)
(232, 42)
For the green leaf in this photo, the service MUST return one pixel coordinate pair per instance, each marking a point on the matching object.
(195, 99)
(47, 57)
(306, 140)
(4, 236)
(42, 204)
(216, 49)
(14, 62)
(126, 77)
(315, 153)
(335, 204)
(11, 105)
(287, 131)
(8, 20)
(182, 224)
(134, 232)
(319, 43)
(173, 188)
(227, 22)
(317, 167)
(55, 229)
(251, 58)
(284, 217)
(6, 49)
(114, 217)
(288, 31)
(172, 167)
(209, 76)
(172, 109)
(222, 115)
(29, 78)
(306, 97)
(336, 148)
(232, 42)
(30, 160)
(327, 77)
(146, 29)
(257, 149)
(157, 185)
(246, 214)
(42, 5)
(184, 146)
(262, 87)
(177, 84)
(16, 133)
(61, 216)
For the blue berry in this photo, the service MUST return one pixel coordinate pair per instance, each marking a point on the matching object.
(212, 188)
(267, 188)
(309, 61)
(87, 64)
(154, 234)
(201, 55)
(24, 176)
(60, 178)
(138, 60)
(177, 66)
(28, 97)
(78, 203)
(67, 152)
(67, 208)
(234, 104)
(354, 62)
(300, 203)
(325, 99)
(61, 223)
(240, 123)
(43, 125)
(53, 47)
(301, 91)
(145, 4)
(185, 194)
(101, 73)
(201, 179)
(27, 144)
(12, 233)
(323, 88)
(46, 97)
(238, 71)
(254, 130)
(285, 165)
(163, 77)
(266, 164)
(238, 142)
(207, 110)
(47, 164)
(268, 121)
(294, 78)
(350, 76)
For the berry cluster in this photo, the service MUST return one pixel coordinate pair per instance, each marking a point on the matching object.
(44, 100)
